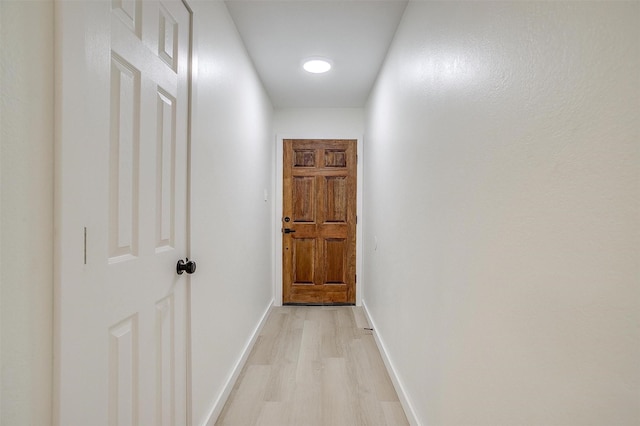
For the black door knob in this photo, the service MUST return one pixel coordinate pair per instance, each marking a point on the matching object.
(188, 266)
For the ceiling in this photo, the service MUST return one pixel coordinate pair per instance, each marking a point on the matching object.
(353, 34)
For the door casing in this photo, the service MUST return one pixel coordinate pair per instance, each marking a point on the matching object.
(277, 206)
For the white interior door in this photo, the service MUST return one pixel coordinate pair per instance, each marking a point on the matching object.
(122, 311)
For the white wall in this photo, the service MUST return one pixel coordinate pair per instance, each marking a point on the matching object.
(316, 123)
(502, 186)
(319, 122)
(232, 158)
(26, 215)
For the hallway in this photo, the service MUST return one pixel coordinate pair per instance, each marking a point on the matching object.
(314, 366)
(498, 215)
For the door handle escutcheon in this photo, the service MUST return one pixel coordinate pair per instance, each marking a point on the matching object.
(188, 266)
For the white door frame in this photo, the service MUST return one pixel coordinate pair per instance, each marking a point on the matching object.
(277, 212)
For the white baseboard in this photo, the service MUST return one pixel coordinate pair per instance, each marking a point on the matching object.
(237, 369)
(397, 383)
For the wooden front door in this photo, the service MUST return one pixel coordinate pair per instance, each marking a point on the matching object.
(319, 221)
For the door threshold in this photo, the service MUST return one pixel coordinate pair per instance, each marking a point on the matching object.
(319, 304)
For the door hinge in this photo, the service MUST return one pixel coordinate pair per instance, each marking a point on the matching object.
(85, 245)
(356, 219)
(356, 279)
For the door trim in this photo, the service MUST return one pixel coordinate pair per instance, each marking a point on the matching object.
(190, 98)
(277, 211)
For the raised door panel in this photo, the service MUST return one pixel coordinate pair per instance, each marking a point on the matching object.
(304, 199)
(304, 261)
(165, 355)
(165, 170)
(336, 200)
(335, 158)
(124, 372)
(124, 160)
(335, 250)
(168, 38)
(304, 158)
(130, 13)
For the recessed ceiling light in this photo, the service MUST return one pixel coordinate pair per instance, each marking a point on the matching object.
(316, 65)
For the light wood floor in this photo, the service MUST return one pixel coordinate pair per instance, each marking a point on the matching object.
(314, 366)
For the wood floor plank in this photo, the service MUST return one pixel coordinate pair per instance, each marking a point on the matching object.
(383, 385)
(314, 366)
(369, 409)
(359, 317)
(273, 414)
(309, 354)
(306, 406)
(338, 394)
(393, 413)
(282, 383)
(247, 397)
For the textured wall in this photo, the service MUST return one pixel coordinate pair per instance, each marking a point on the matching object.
(231, 235)
(503, 212)
(26, 217)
